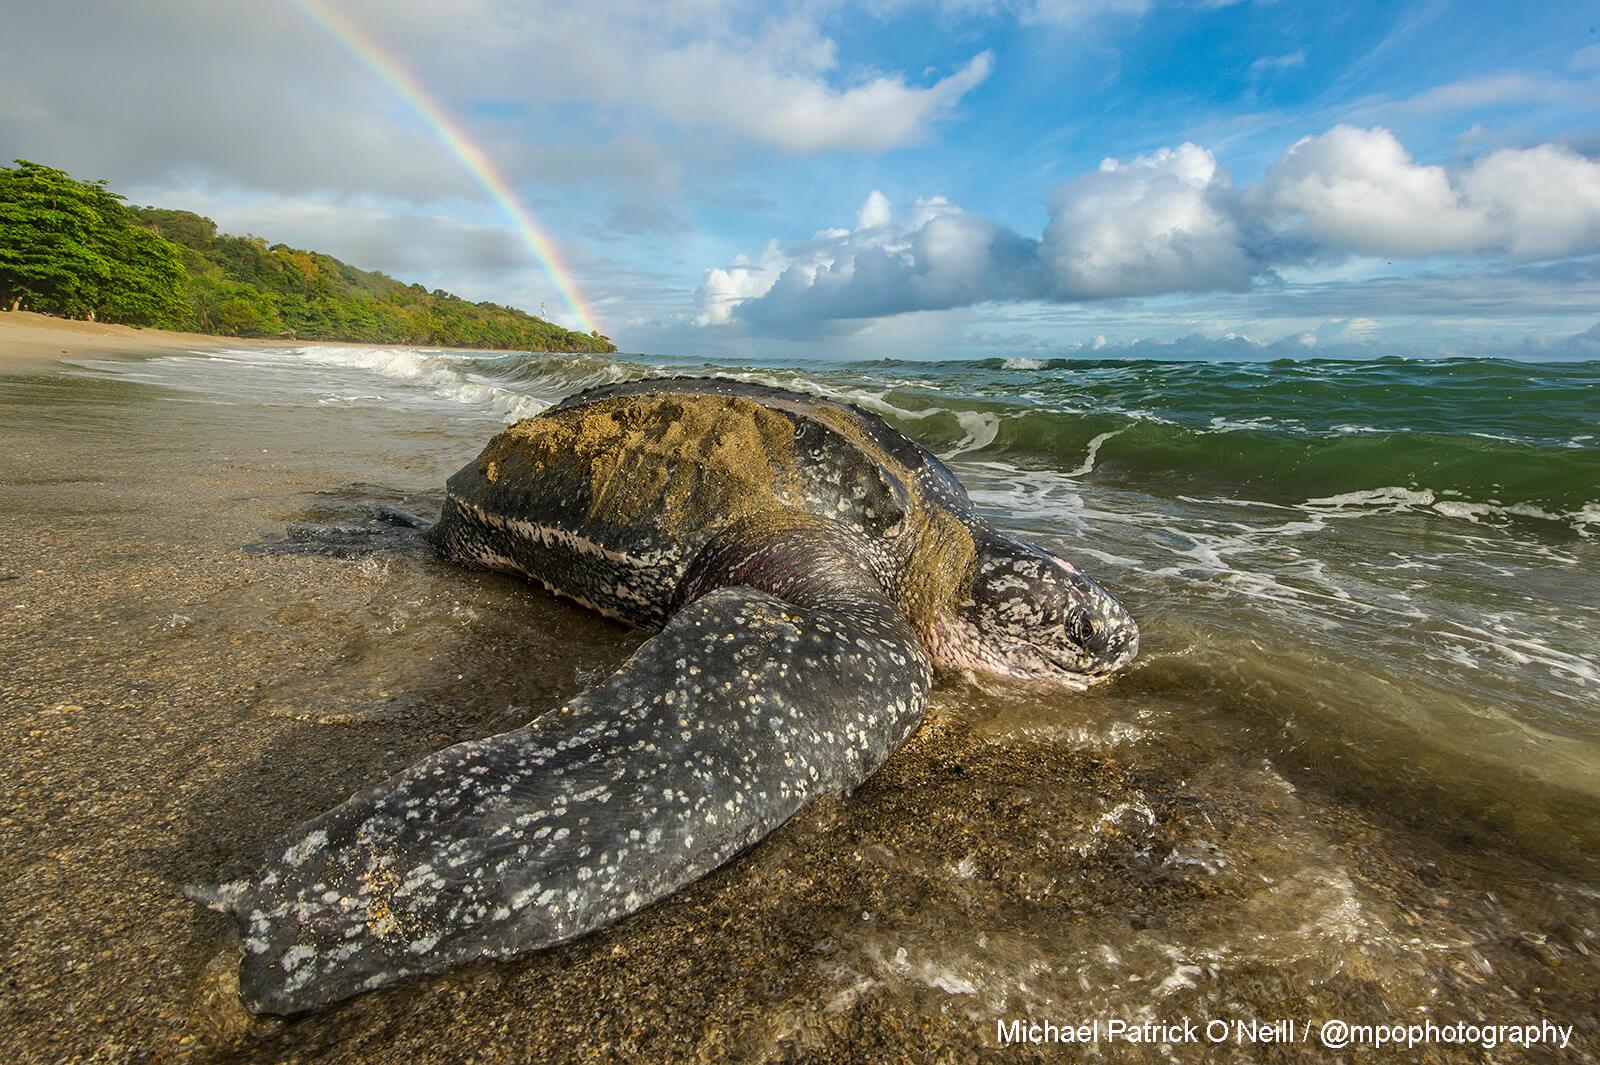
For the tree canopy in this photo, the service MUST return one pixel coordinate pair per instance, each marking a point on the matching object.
(74, 248)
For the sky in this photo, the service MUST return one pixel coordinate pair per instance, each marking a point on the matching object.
(885, 178)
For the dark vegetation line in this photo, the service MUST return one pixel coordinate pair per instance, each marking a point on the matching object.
(76, 249)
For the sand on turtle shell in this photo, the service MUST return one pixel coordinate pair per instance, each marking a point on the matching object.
(707, 457)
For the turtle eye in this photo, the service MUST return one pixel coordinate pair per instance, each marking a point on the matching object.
(1080, 627)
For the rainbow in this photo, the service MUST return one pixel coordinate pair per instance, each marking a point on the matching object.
(449, 133)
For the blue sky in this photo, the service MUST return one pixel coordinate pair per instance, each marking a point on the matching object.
(892, 178)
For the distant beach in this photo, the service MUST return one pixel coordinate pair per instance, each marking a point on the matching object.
(28, 337)
(1352, 775)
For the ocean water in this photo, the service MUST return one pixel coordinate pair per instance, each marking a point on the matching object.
(1355, 769)
(1388, 570)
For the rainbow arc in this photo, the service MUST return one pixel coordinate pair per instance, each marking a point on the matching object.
(388, 71)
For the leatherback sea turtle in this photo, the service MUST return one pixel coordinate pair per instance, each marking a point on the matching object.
(806, 566)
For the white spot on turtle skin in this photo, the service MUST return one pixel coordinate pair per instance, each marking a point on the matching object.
(311, 844)
(295, 956)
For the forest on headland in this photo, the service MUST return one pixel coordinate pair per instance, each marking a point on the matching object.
(76, 249)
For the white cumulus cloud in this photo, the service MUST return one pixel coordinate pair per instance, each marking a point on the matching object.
(1359, 190)
(874, 212)
(1171, 222)
(1538, 203)
(939, 256)
(724, 288)
(1159, 223)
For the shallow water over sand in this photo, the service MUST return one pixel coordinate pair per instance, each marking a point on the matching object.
(1280, 813)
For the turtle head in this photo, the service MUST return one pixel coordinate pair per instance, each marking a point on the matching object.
(1034, 616)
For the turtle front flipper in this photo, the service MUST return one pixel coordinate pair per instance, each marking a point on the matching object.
(756, 698)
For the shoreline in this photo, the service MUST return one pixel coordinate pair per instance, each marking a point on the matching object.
(29, 339)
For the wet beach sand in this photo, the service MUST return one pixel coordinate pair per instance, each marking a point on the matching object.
(172, 700)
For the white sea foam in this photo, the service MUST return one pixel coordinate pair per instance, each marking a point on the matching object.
(1018, 363)
(1531, 650)
(1094, 450)
(1231, 425)
(1394, 498)
(439, 372)
(1475, 512)
(981, 429)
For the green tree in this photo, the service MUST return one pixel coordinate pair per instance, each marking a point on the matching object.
(181, 227)
(46, 222)
(74, 248)
(237, 316)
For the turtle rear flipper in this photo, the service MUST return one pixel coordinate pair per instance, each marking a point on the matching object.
(751, 702)
(377, 529)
